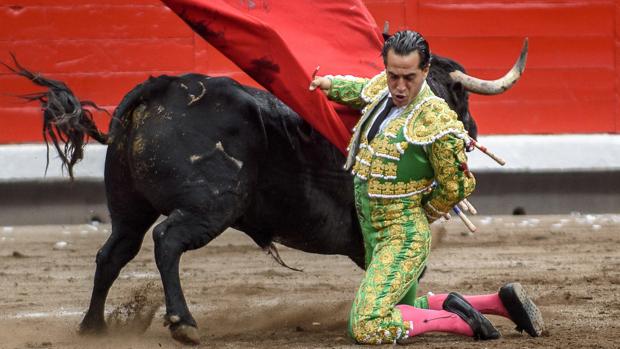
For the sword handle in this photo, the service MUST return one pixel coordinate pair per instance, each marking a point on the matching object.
(316, 70)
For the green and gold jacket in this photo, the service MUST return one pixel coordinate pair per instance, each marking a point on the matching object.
(418, 154)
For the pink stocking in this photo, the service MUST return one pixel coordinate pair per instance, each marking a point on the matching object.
(486, 304)
(424, 320)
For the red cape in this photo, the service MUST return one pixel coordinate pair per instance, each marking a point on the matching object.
(279, 43)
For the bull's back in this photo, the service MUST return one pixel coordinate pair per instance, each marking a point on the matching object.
(183, 141)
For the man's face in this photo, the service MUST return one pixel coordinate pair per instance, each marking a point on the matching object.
(404, 77)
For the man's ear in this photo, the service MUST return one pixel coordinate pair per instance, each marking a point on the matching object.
(426, 70)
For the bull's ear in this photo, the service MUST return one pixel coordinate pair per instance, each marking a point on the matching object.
(472, 128)
(458, 92)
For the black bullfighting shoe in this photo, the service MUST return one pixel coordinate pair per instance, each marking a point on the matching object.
(523, 312)
(481, 326)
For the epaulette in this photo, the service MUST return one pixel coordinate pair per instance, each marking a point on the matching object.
(430, 120)
(375, 87)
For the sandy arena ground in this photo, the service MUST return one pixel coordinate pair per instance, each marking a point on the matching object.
(241, 298)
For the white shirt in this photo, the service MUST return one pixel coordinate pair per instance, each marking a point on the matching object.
(393, 113)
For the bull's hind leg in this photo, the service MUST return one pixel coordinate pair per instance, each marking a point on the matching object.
(180, 232)
(121, 247)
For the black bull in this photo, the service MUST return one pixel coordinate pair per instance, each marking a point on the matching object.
(209, 154)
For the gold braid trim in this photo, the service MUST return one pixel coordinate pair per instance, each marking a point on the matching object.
(430, 120)
(379, 189)
(345, 89)
(375, 87)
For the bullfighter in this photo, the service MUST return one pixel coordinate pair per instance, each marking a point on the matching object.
(408, 157)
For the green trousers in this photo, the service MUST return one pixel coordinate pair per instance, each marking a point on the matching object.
(397, 242)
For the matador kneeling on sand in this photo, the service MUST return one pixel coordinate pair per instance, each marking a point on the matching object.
(407, 155)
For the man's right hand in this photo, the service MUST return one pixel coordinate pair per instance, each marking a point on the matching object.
(320, 82)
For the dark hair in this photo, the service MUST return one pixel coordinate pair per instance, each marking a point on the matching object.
(405, 42)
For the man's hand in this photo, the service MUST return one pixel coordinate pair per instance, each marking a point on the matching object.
(320, 82)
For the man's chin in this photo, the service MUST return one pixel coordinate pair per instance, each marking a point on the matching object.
(399, 104)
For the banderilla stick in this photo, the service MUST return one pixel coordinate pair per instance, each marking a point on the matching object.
(463, 167)
(470, 207)
(488, 152)
(462, 206)
(465, 220)
(467, 207)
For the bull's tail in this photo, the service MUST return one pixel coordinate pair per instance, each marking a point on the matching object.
(66, 119)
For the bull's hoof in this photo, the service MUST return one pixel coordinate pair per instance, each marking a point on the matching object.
(186, 334)
(88, 329)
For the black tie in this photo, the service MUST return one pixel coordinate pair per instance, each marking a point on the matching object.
(384, 113)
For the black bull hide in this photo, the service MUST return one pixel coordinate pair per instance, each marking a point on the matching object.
(209, 154)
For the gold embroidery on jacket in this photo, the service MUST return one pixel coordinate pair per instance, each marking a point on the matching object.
(375, 87)
(432, 120)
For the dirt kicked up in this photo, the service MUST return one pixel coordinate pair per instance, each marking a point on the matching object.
(241, 298)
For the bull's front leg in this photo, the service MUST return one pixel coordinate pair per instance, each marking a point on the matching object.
(180, 232)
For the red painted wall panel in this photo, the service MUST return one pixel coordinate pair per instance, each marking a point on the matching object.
(90, 22)
(493, 18)
(544, 52)
(522, 117)
(103, 48)
(392, 11)
(104, 56)
(617, 129)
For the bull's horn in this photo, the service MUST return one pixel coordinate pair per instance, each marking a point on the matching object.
(493, 87)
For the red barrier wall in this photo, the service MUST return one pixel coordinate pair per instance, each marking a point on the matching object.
(103, 48)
